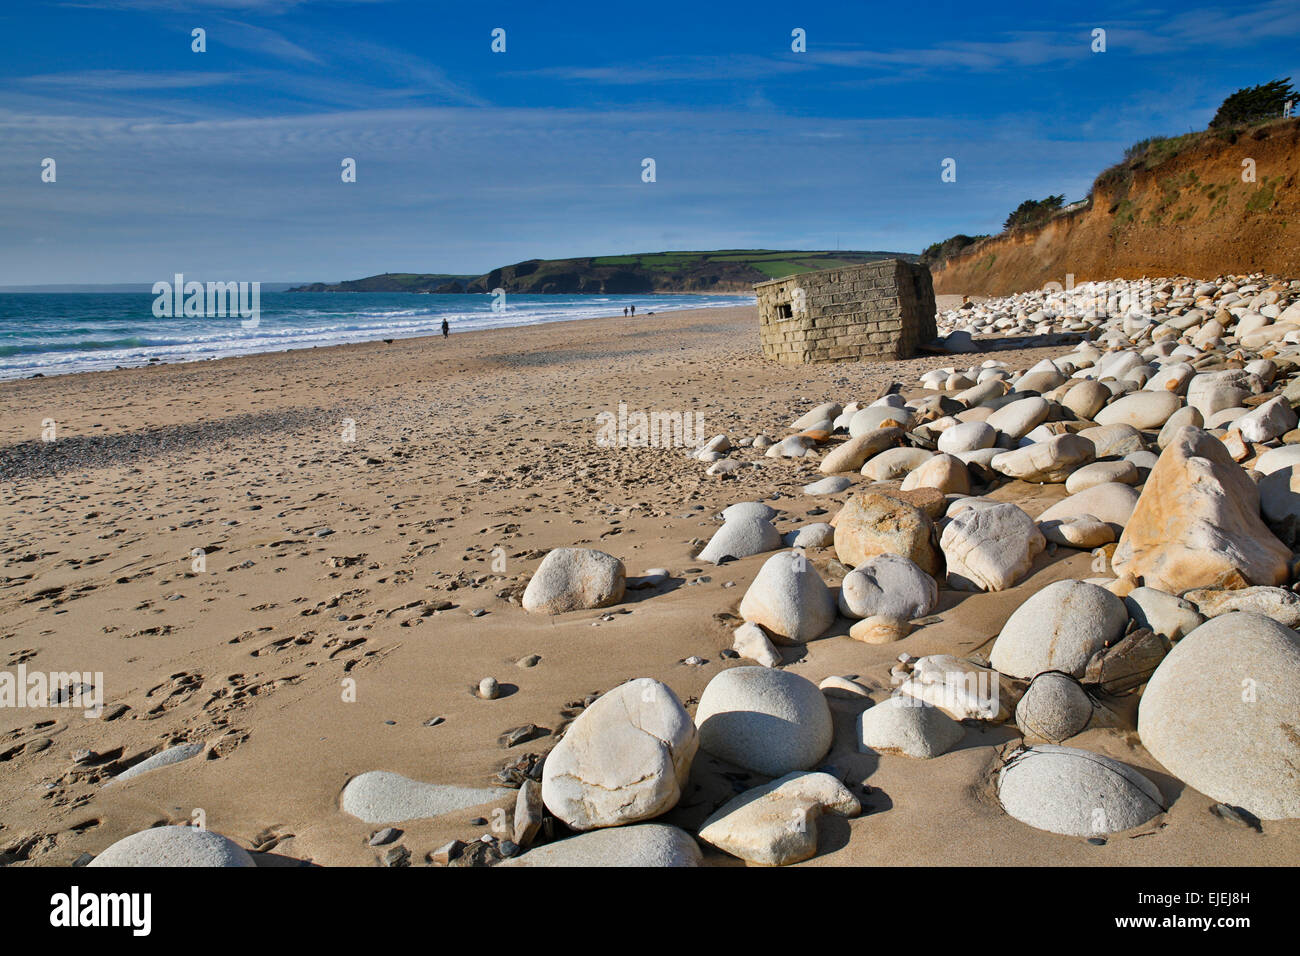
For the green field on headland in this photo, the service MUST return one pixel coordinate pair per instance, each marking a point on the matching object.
(725, 270)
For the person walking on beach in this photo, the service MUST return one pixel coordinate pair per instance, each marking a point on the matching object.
(625, 312)
(634, 312)
(445, 328)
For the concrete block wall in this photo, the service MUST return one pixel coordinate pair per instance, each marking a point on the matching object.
(877, 311)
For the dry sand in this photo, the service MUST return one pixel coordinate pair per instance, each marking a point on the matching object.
(464, 446)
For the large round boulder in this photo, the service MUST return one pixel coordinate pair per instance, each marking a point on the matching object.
(889, 585)
(1187, 415)
(1222, 713)
(826, 411)
(967, 436)
(851, 454)
(749, 509)
(1076, 792)
(1054, 708)
(894, 463)
(1114, 441)
(624, 759)
(1210, 392)
(875, 417)
(740, 537)
(1086, 398)
(1143, 410)
(990, 548)
(1101, 473)
(1058, 629)
(1164, 614)
(572, 579)
(770, 721)
(946, 474)
(872, 523)
(909, 726)
(174, 846)
(1018, 418)
(789, 599)
(1112, 502)
(775, 824)
(1046, 462)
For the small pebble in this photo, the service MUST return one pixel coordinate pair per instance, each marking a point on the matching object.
(1237, 815)
(397, 856)
(446, 853)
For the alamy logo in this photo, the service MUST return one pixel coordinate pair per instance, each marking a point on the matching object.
(39, 689)
(74, 908)
(649, 429)
(974, 693)
(216, 300)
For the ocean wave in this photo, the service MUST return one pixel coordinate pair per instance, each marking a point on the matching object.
(64, 338)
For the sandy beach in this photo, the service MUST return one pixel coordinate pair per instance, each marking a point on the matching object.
(388, 569)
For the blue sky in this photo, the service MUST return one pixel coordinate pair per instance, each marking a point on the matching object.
(226, 164)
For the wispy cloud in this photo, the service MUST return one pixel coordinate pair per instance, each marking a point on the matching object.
(1026, 49)
(128, 80)
(1239, 26)
(418, 76)
(265, 41)
(1010, 51)
(677, 69)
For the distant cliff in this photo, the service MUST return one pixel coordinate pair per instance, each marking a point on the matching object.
(728, 270)
(392, 282)
(1179, 208)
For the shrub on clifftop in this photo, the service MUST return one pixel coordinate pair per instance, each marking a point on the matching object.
(1253, 104)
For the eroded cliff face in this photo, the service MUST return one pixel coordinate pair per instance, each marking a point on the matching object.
(1191, 215)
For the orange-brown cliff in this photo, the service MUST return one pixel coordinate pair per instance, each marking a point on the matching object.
(1190, 215)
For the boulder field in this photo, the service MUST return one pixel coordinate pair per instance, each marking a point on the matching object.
(1161, 441)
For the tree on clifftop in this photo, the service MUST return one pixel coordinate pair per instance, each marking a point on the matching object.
(1254, 103)
(1031, 212)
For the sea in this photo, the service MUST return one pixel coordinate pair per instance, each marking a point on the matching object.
(53, 333)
